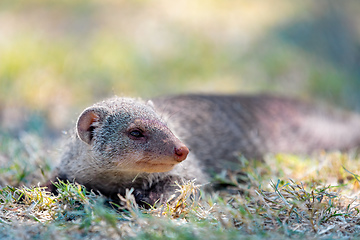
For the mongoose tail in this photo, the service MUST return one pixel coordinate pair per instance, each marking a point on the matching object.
(219, 128)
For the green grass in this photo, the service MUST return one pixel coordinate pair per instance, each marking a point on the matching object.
(278, 201)
(80, 55)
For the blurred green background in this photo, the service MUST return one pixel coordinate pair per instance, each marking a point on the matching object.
(57, 57)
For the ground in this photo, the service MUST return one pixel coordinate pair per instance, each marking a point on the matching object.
(285, 196)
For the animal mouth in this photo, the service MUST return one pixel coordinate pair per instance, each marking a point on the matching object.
(157, 161)
(155, 166)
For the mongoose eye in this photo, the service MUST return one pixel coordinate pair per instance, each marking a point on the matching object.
(137, 134)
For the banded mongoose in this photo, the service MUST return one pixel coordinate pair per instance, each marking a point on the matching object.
(130, 143)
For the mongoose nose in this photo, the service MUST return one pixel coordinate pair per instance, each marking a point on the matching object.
(181, 153)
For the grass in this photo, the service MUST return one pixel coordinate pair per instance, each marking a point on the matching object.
(316, 203)
(75, 54)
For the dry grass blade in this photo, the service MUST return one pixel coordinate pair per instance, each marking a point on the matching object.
(278, 209)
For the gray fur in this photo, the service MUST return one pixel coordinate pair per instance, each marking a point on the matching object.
(215, 128)
(219, 128)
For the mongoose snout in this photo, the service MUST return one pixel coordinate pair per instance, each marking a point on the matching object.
(181, 153)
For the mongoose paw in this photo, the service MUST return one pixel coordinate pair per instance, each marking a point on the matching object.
(142, 198)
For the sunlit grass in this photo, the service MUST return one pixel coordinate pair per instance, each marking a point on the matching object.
(280, 198)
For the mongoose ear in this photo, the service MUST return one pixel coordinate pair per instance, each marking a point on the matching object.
(151, 104)
(89, 120)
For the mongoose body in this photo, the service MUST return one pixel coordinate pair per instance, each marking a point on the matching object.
(129, 143)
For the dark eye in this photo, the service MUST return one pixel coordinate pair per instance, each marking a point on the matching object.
(136, 134)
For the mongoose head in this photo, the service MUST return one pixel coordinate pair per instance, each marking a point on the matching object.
(128, 135)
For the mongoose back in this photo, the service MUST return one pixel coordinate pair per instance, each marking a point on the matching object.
(129, 143)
